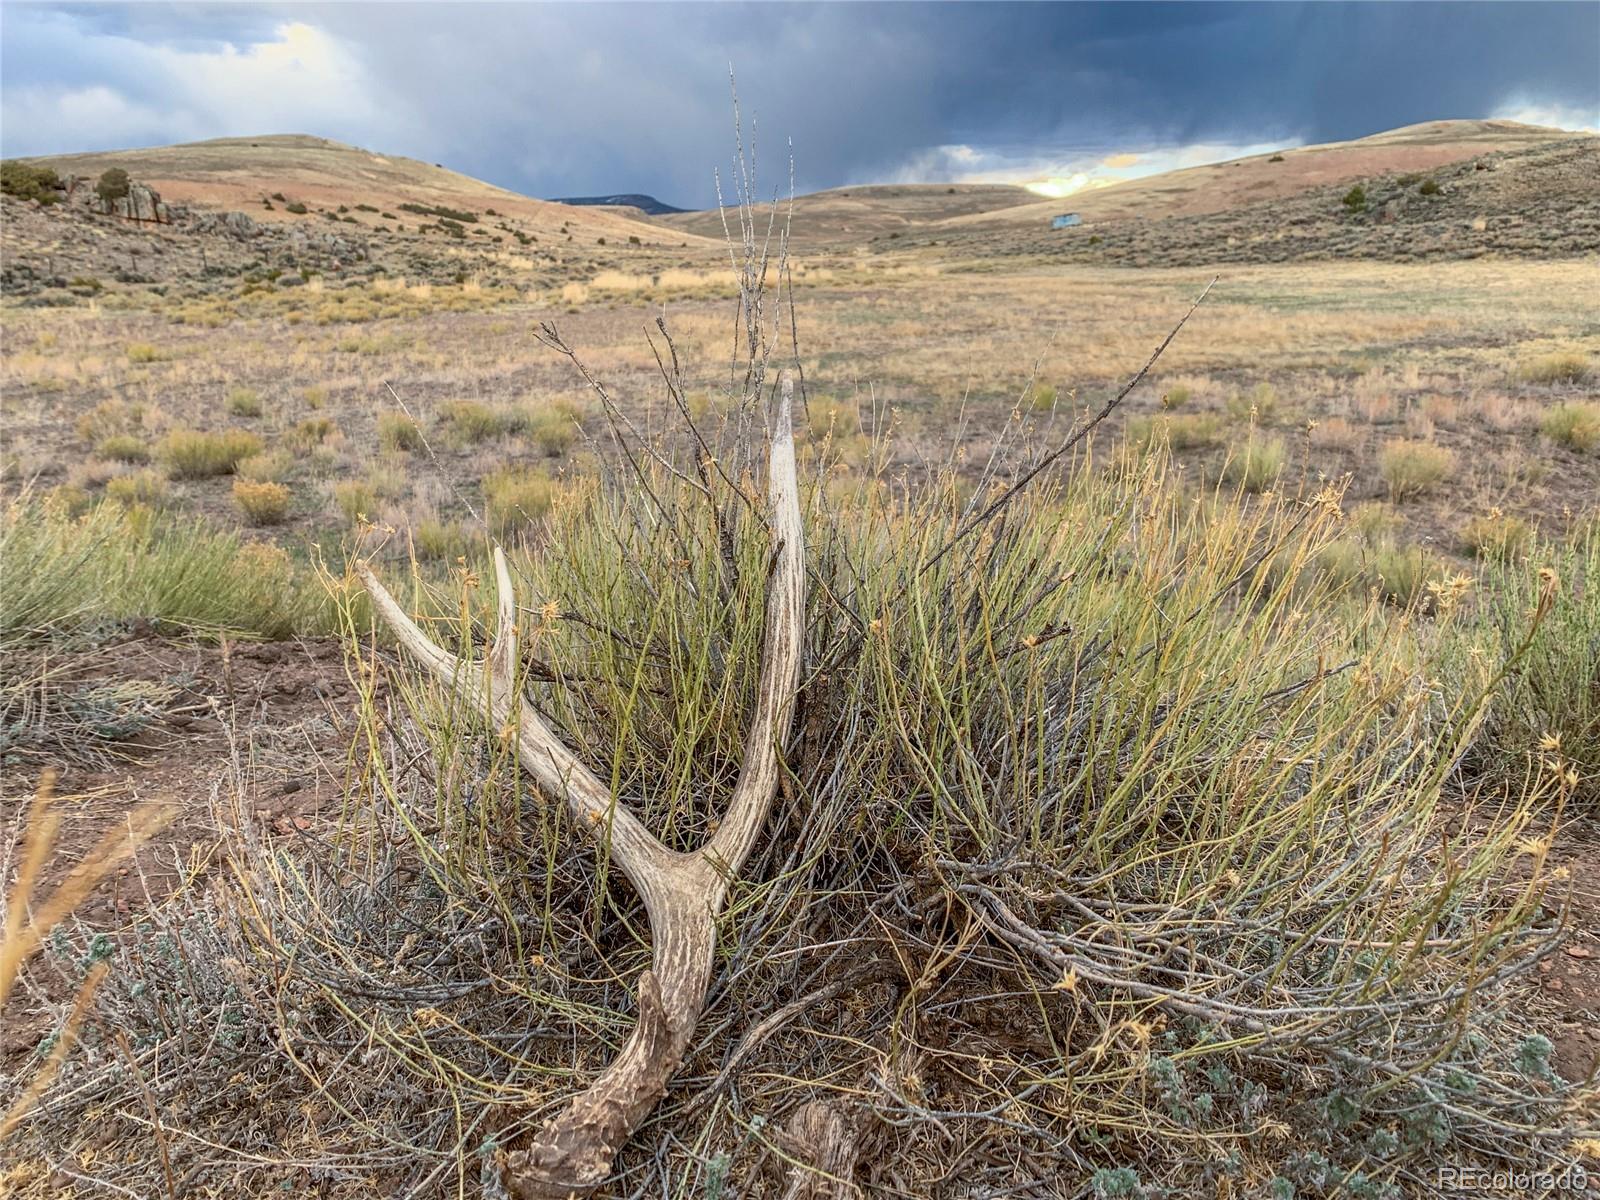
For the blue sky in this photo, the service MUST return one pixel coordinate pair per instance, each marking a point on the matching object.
(570, 99)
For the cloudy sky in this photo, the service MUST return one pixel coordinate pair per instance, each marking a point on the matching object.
(576, 99)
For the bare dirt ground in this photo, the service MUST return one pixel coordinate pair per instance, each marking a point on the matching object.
(270, 718)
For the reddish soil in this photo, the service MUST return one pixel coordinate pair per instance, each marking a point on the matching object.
(279, 710)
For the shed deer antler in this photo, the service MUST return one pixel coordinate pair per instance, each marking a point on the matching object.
(682, 893)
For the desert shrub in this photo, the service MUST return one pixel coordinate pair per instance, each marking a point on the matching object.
(1430, 187)
(261, 503)
(1260, 404)
(554, 429)
(1547, 709)
(123, 447)
(1180, 431)
(1177, 396)
(191, 454)
(275, 466)
(356, 500)
(516, 498)
(1404, 573)
(398, 432)
(315, 396)
(1576, 426)
(28, 182)
(1355, 200)
(472, 421)
(435, 540)
(309, 433)
(296, 207)
(113, 564)
(1494, 535)
(1041, 397)
(144, 352)
(1257, 466)
(113, 184)
(244, 402)
(138, 487)
(110, 418)
(1567, 366)
(1410, 468)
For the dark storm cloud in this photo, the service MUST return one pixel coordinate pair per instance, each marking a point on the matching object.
(565, 99)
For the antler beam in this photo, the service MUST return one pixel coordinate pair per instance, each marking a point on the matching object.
(572, 1153)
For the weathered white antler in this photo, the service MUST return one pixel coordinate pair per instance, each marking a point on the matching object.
(682, 893)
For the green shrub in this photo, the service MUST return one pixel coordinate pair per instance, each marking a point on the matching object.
(1576, 426)
(435, 540)
(398, 432)
(472, 421)
(273, 467)
(1041, 397)
(112, 185)
(516, 497)
(114, 564)
(1495, 535)
(1258, 466)
(28, 182)
(297, 208)
(1260, 405)
(356, 499)
(191, 454)
(1403, 574)
(261, 503)
(1548, 705)
(1181, 431)
(554, 430)
(1567, 366)
(1355, 200)
(122, 447)
(244, 402)
(1411, 468)
(1430, 187)
(311, 432)
(138, 487)
(110, 418)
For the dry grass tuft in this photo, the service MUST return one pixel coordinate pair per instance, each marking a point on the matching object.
(1410, 468)
(261, 502)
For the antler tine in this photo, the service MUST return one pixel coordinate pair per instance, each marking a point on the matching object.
(444, 665)
(503, 654)
(558, 772)
(782, 644)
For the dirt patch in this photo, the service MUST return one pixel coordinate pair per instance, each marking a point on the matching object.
(275, 717)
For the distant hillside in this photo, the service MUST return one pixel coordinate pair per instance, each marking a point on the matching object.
(241, 173)
(976, 215)
(855, 215)
(648, 205)
(1216, 187)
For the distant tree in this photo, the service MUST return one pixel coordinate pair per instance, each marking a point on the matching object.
(113, 185)
(1356, 199)
(28, 182)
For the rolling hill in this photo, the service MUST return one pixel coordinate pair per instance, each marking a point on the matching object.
(978, 214)
(238, 173)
